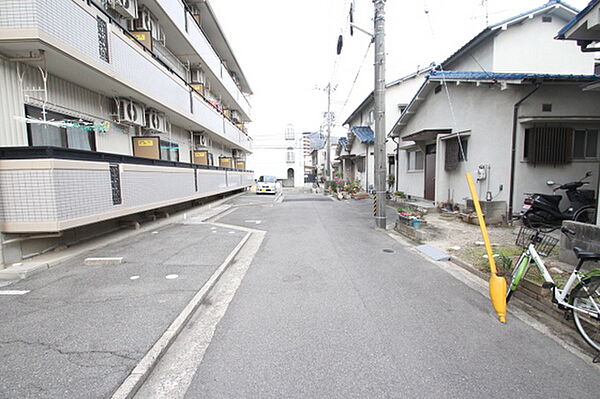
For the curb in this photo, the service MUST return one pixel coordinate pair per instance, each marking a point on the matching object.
(142, 371)
(523, 295)
(27, 269)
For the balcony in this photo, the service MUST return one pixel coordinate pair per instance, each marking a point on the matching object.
(68, 32)
(45, 189)
(191, 40)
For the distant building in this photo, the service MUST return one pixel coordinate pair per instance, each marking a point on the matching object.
(280, 155)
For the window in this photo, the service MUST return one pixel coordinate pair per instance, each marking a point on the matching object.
(80, 137)
(289, 156)
(289, 132)
(548, 145)
(415, 160)
(456, 151)
(169, 151)
(585, 144)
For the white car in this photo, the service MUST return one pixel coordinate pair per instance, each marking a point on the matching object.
(267, 184)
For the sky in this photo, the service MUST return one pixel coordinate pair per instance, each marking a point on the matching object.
(287, 50)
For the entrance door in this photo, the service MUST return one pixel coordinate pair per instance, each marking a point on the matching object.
(430, 152)
(289, 182)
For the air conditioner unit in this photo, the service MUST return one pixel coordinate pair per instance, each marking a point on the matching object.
(130, 113)
(237, 153)
(145, 20)
(201, 141)
(156, 121)
(158, 34)
(196, 75)
(126, 8)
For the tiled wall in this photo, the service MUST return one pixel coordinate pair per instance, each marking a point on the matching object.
(56, 195)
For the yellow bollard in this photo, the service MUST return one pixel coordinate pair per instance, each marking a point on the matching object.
(497, 283)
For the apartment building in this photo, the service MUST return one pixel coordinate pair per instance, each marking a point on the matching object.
(114, 107)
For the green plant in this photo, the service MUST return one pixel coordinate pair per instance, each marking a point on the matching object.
(391, 179)
(400, 194)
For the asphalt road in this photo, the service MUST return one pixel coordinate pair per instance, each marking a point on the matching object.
(323, 311)
(81, 329)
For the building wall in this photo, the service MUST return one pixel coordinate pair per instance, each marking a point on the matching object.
(485, 114)
(45, 196)
(478, 58)
(530, 47)
(13, 132)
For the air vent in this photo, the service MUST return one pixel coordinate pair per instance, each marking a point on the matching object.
(546, 19)
(438, 89)
(546, 107)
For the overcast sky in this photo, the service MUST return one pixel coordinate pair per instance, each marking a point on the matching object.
(286, 49)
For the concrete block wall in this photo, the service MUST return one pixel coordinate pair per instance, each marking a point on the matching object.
(587, 237)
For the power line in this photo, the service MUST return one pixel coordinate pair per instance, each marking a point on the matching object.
(356, 77)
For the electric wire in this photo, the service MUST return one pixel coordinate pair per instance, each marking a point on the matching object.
(356, 77)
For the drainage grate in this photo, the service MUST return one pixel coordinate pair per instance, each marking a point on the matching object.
(305, 199)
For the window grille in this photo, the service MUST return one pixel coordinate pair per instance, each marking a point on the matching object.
(548, 145)
(454, 154)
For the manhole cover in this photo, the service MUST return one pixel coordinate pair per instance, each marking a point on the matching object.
(388, 251)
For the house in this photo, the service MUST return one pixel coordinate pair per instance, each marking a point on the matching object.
(280, 155)
(357, 160)
(124, 107)
(508, 107)
(583, 29)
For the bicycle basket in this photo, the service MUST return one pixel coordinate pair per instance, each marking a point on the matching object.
(544, 245)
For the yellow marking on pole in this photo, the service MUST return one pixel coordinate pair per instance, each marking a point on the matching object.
(497, 283)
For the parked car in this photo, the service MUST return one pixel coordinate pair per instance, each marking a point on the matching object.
(267, 184)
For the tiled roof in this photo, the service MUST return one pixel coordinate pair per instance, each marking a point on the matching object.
(364, 134)
(434, 75)
(577, 18)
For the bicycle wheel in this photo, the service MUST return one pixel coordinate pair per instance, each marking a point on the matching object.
(585, 215)
(584, 296)
(515, 277)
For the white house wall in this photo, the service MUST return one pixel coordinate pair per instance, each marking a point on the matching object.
(485, 114)
(476, 59)
(530, 48)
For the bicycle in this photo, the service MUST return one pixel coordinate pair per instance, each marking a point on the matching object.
(580, 296)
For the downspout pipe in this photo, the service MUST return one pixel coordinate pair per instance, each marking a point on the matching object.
(513, 154)
(398, 159)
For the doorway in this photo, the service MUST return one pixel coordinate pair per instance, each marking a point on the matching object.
(289, 182)
(430, 155)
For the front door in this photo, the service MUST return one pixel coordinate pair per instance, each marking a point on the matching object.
(430, 152)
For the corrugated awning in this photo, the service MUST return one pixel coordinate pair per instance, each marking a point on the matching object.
(426, 134)
(364, 134)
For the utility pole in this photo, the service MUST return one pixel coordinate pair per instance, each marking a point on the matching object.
(329, 177)
(379, 94)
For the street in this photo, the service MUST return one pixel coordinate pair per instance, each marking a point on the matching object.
(316, 303)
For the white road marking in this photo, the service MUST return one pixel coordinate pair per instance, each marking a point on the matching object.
(134, 277)
(14, 292)
(171, 276)
(173, 375)
(155, 232)
(253, 221)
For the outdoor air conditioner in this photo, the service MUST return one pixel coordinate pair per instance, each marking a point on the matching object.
(196, 75)
(158, 34)
(130, 113)
(237, 153)
(201, 140)
(126, 8)
(145, 20)
(156, 121)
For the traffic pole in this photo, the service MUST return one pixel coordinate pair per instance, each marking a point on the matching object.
(379, 96)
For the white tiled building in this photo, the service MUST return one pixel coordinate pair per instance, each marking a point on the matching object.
(123, 106)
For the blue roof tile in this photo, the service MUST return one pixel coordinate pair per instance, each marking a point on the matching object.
(343, 141)
(507, 76)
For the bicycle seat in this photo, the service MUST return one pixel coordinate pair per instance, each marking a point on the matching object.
(586, 255)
